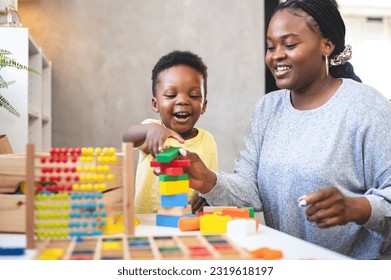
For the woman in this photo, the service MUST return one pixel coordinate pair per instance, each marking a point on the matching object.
(323, 139)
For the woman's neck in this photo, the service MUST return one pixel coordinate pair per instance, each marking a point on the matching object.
(315, 95)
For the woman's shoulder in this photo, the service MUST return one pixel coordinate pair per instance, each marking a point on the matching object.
(364, 95)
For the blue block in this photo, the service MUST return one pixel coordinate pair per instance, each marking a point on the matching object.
(174, 200)
(169, 221)
(11, 251)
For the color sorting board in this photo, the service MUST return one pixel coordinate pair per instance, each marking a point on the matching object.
(122, 247)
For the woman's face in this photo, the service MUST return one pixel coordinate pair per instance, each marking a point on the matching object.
(294, 51)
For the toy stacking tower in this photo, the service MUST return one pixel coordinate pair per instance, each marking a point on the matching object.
(174, 186)
(71, 193)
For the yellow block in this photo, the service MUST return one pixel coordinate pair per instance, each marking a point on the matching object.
(213, 224)
(174, 187)
(51, 254)
(111, 245)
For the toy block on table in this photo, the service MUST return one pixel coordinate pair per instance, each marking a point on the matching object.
(242, 227)
(174, 200)
(236, 212)
(213, 224)
(189, 224)
(17, 251)
(169, 221)
(167, 155)
(267, 254)
(212, 209)
(251, 210)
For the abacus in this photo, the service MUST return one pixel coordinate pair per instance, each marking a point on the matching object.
(73, 193)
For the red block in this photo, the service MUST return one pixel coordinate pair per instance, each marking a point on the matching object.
(174, 163)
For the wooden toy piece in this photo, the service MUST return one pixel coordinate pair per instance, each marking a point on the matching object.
(251, 210)
(140, 248)
(169, 221)
(211, 209)
(174, 200)
(11, 251)
(174, 163)
(173, 171)
(175, 211)
(168, 155)
(213, 224)
(164, 177)
(251, 219)
(267, 254)
(189, 224)
(174, 187)
(236, 212)
(241, 227)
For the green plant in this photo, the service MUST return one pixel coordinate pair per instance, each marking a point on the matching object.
(7, 61)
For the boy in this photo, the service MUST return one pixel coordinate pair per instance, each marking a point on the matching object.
(179, 90)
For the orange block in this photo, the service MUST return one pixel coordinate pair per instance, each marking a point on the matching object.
(236, 212)
(189, 224)
(267, 254)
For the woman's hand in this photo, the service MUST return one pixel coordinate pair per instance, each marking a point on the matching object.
(329, 207)
(197, 203)
(201, 178)
(155, 138)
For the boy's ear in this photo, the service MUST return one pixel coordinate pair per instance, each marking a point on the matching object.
(204, 107)
(155, 106)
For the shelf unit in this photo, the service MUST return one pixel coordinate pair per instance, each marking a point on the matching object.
(30, 94)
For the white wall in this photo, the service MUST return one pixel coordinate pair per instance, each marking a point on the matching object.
(103, 53)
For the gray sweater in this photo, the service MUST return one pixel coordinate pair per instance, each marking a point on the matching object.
(289, 153)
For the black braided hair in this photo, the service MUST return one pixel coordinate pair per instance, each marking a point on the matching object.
(175, 58)
(325, 19)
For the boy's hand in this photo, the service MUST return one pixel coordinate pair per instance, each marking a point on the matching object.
(155, 138)
(197, 203)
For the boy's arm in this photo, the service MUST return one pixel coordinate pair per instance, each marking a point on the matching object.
(151, 136)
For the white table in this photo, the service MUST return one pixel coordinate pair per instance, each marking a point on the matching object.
(292, 247)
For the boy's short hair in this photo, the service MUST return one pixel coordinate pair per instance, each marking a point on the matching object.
(179, 58)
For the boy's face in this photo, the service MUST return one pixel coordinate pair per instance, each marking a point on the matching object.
(180, 98)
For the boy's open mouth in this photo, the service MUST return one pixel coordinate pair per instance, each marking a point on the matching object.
(181, 116)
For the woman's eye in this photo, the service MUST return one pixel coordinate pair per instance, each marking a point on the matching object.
(290, 46)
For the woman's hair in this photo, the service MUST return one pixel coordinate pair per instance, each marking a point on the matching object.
(175, 58)
(326, 19)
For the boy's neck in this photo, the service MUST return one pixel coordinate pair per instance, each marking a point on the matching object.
(189, 134)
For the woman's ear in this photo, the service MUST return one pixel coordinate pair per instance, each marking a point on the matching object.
(155, 105)
(328, 47)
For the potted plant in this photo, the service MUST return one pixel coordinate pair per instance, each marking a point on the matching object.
(7, 61)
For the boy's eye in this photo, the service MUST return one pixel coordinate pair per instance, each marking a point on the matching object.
(170, 95)
(270, 49)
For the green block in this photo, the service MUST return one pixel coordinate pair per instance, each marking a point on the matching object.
(251, 211)
(163, 177)
(168, 155)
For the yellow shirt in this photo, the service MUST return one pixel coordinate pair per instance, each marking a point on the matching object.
(147, 198)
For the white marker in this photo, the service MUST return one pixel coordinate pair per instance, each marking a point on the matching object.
(302, 202)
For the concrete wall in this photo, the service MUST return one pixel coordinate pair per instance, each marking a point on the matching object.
(103, 53)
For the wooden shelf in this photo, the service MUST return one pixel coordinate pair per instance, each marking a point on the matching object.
(30, 94)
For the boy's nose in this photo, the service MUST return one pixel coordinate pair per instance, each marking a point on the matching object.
(182, 99)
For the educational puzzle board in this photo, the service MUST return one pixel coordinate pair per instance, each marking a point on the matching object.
(181, 247)
(78, 192)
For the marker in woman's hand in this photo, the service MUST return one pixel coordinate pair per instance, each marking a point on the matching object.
(302, 201)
